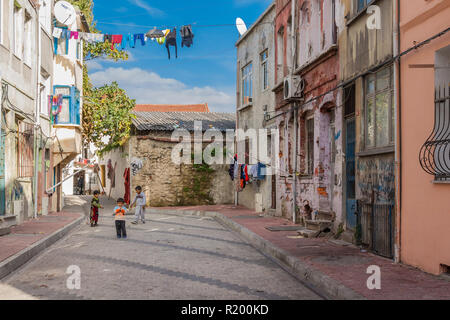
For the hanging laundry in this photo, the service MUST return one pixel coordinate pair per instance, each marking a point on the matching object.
(57, 33)
(116, 39)
(246, 173)
(187, 37)
(171, 40)
(261, 171)
(74, 34)
(141, 37)
(253, 171)
(155, 33)
(108, 38)
(162, 40)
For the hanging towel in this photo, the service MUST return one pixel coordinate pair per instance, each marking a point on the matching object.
(141, 37)
(116, 39)
(187, 37)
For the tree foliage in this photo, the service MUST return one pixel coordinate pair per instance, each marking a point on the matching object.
(110, 115)
(106, 110)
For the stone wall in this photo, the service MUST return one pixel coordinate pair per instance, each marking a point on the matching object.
(168, 184)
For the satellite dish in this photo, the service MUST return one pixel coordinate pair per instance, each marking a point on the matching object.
(65, 13)
(240, 25)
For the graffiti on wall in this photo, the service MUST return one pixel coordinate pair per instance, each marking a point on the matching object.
(136, 165)
(376, 181)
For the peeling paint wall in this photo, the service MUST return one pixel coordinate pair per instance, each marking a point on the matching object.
(318, 65)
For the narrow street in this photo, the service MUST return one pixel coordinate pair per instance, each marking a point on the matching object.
(169, 257)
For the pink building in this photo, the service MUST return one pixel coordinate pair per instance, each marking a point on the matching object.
(425, 133)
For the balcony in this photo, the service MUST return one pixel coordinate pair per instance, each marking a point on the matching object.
(65, 111)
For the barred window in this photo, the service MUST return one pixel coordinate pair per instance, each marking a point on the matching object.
(25, 137)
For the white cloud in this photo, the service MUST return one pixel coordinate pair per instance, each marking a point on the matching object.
(142, 4)
(93, 65)
(150, 88)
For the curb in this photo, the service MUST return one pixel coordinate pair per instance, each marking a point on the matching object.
(14, 262)
(327, 286)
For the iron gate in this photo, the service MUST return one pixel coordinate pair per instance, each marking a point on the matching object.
(376, 224)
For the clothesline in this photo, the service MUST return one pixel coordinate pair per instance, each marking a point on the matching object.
(167, 37)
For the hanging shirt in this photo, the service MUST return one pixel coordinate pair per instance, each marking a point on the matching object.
(116, 39)
(74, 34)
(187, 37)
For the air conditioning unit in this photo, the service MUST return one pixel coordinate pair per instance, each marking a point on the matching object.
(293, 87)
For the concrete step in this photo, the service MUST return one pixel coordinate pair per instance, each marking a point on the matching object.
(318, 225)
(4, 231)
(307, 233)
(325, 215)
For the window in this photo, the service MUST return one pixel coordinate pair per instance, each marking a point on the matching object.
(78, 50)
(379, 109)
(18, 30)
(45, 92)
(362, 4)
(247, 85)
(264, 70)
(25, 138)
(70, 111)
(309, 146)
(280, 54)
(27, 40)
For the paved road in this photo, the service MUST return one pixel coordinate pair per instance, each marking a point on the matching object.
(169, 257)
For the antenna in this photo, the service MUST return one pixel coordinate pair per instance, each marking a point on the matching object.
(65, 13)
(241, 26)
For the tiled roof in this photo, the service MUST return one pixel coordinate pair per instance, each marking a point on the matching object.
(168, 121)
(172, 108)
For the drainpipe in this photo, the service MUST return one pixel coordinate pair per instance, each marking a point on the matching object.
(398, 133)
(294, 189)
(37, 118)
(293, 56)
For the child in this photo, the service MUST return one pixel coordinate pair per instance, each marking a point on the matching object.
(119, 212)
(140, 201)
(95, 205)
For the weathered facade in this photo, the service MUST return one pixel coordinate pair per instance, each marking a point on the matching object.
(148, 156)
(310, 124)
(25, 74)
(367, 70)
(255, 101)
(425, 132)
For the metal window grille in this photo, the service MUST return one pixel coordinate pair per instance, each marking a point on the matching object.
(435, 153)
(25, 149)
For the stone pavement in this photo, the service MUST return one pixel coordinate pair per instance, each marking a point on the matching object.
(339, 269)
(34, 235)
(169, 257)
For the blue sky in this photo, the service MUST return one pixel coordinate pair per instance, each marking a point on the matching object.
(203, 73)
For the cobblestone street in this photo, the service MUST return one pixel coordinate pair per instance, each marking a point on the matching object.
(169, 257)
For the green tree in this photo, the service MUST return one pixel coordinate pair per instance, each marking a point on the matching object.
(110, 117)
(106, 110)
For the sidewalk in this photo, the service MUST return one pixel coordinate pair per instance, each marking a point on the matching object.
(334, 267)
(33, 236)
